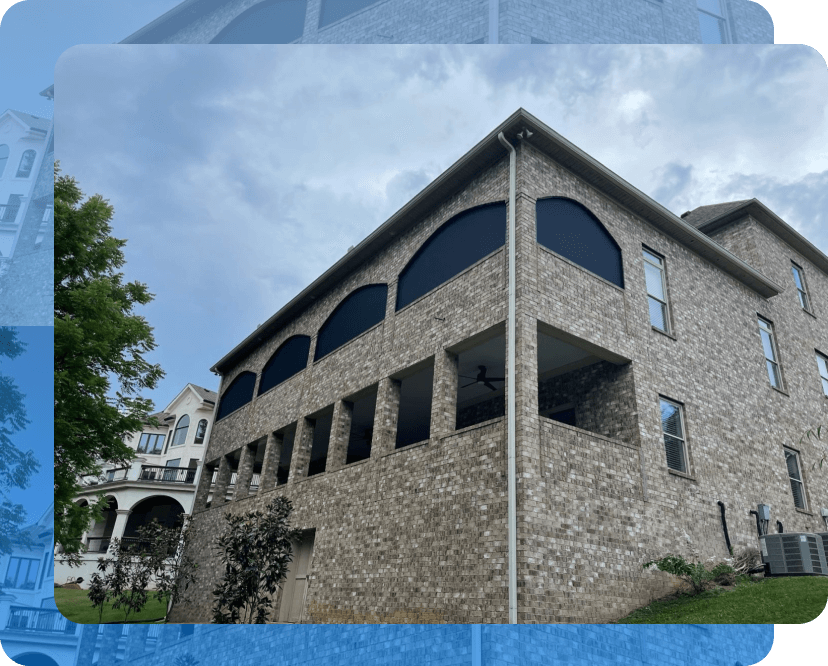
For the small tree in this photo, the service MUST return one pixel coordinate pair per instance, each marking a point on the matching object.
(255, 550)
(125, 585)
(172, 568)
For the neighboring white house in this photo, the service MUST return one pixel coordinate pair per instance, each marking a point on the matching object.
(32, 630)
(159, 483)
(23, 143)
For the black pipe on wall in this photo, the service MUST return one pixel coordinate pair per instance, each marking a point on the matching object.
(724, 526)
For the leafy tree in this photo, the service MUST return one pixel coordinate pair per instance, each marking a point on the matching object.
(173, 569)
(16, 467)
(255, 550)
(98, 341)
(125, 578)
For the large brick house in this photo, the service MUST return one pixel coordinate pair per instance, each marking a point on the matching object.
(471, 438)
(459, 22)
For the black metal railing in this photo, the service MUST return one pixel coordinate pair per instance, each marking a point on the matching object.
(109, 476)
(132, 544)
(162, 474)
(39, 620)
(8, 213)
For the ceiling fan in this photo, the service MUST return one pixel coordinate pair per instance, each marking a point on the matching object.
(483, 379)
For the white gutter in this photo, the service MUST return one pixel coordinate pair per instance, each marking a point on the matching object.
(510, 382)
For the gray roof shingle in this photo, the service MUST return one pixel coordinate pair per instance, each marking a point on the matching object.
(703, 214)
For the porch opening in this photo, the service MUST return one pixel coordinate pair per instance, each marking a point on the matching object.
(414, 415)
(321, 426)
(361, 432)
(481, 382)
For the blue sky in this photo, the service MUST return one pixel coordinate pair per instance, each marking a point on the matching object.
(239, 174)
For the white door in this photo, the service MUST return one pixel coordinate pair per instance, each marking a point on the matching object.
(295, 586)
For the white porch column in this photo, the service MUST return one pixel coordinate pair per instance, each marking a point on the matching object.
(121, 517)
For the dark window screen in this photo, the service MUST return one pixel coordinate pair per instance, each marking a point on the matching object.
(566, 227)
(285, 455)
(459, 243)
(319, 446)
(333, 10)
(268, 22)
(238, 394)
(362, 428)
(290, 359)
(358, 312)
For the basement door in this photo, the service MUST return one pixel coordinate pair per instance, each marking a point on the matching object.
(296, 584)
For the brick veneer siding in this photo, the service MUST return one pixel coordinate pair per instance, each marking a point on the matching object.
(465, 21)
(495, 645)
(419, 534)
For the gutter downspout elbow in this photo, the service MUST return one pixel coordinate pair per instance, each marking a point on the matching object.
(510, 382)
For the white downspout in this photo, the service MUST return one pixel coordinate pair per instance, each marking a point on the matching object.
(510, 382)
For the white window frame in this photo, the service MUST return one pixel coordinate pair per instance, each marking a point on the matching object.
(792, 480)
(646, 253)
(682, 439)
(767, 326)
(801, 291)
(822, 365)
(721, 17)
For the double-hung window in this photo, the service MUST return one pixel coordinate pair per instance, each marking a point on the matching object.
(672, 426)
(822, 364)
(712, 21)
(795, 477)
(801, 291)
(656, 291)
(771, 355)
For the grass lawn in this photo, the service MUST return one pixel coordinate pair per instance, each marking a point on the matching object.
(791, 600)
(75, 606)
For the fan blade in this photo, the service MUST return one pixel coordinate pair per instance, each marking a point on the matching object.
(467, 385)
(490, 386)
(495, 379)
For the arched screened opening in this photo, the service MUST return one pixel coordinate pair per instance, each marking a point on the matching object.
(289, 359)
(165, 510)
(180, 435)
(237, 395)
(571, 230)
(462, 241)
(26, 163)
(35, 658)
(4, 157)
(358, 311)
(268, 22)
(100, 533)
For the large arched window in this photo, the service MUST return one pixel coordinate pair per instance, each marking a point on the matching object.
(180, 435)
(4, 157)
(358, 311)
(237, 395)
(462, 241)
(290, 358)
(268, 22)
(26, 164)
(570, 229)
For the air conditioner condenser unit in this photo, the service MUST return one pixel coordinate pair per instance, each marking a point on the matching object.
(793, 554)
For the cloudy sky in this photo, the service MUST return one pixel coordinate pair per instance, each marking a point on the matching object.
(239, 174)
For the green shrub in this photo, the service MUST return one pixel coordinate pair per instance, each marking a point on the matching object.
(694, 574)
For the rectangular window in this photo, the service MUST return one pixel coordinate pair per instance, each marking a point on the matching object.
(22, 573)
(822, 364)
(142, 445)
(151, 443)
(797, 488)
(771, 356)
(799, 281)
(656, 291)
(672, 426)
(712, 22)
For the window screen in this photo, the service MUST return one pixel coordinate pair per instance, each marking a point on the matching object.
(569, 229)
(797, 488)
(769, 347)
(359, 311)
(822, 364)
(237, 395)
(289, 359)
(656, 291)
(672, 427)
(799, 281)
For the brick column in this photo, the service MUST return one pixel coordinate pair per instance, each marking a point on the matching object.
(245, 471)
(270, 464)
(385, 417)
(203, 490)
(444, 398)
(109, 644)
(168, 633)
(136, 641)
(340, 434)
(223, 480)
(302, 442)
(86, 646)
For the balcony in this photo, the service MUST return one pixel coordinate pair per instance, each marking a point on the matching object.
(40, 621)
(147, 473)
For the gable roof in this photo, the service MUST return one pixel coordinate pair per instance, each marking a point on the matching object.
(32, 122)
(709, 219)
(205, 394)
(486, 153)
